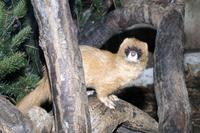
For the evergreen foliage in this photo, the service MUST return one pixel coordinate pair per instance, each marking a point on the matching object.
(91, 10)
(20, 62)
(19, 55)
(88, 11)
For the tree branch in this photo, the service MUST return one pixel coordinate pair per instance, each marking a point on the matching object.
(120, 20)
(12, 120)
(171, 93)
(105, 120)
(58, 40)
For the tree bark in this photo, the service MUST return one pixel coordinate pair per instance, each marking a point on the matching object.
(103, 119)
(12, 120)
(132, 15)
(171, 92)
(58, 40)
(170, 89)
(106, 121)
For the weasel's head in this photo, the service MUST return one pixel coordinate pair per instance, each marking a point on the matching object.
(133, 50)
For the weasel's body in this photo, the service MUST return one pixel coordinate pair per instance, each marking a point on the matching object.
(104, 71)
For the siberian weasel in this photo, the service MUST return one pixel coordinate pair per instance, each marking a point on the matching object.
(104, 71)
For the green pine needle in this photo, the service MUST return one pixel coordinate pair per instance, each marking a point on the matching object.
(17, 69)
(2, 18)
(21, 37)
(26, 84)
(33, 53)
(20, 9)
(20, 88)
(11, 64)
(2, 12)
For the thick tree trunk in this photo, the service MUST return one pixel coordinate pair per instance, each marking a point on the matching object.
(12, 120)
(170, 89)
(58, 39)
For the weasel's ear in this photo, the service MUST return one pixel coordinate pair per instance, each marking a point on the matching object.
(145, 46)
(126, 39)
(125, 43)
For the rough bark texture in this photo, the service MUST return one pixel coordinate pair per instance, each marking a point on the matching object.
(105, 120)
(171, 92)
(170, 89)
(58, 39)
(11, 120)
(42, 121)
(133, 12)
(57, 35)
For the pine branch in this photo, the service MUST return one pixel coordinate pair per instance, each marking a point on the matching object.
(21, 37)
(2, 12)
(20, 9)
(20, 88)
(2, 18)
(33, 53)
(11, 63)
(13, 33)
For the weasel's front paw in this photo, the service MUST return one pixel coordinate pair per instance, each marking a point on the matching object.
(113, 98)
(109, 101)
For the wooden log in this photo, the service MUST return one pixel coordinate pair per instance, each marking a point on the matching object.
(12, 120)
(171, 93)
(132, 14)
(42, 121)
(58, 40)
(105, 120)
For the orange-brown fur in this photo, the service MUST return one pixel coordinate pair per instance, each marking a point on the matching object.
(104, 71)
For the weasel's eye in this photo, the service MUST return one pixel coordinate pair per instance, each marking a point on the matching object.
(133, 54)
